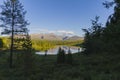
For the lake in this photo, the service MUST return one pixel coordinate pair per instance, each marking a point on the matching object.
(66, 48)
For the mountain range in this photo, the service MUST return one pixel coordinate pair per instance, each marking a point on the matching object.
(51, 36)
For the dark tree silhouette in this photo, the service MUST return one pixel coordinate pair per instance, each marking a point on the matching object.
(106, 39)
(28, 55)
(69, 57)
(112, 30)
(61, 56)
(108, 4)
(92, 42)
(13, 21)
(46, 52)
(1, 43)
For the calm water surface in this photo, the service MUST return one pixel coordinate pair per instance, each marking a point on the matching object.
(55, 50)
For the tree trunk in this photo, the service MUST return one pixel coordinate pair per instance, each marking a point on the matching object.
(12, 38)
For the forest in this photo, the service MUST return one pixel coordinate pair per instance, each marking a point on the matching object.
(42, 45)
(99, 59)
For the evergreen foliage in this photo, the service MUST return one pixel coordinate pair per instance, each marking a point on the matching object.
(93, 38)
(98, 39)
(112, 30)
(13, 21)
(28, 56)
(69, 58)
(61, 56)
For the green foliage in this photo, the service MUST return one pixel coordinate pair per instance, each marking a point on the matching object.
(28, 56)
(27, 45)
(61, 56)
(13, 21)
(6, 42)
(39, 45)
(69, 58)
(64, 58)
(68, 42)
(93, 38)
(10, 21)
(98, 39)
(42, 45)
(112, 30)
(102, 66)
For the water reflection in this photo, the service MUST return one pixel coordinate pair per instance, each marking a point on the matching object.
(55, 50)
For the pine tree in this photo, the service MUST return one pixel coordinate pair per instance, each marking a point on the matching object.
(28, 55)
(69, 57)
(13, 21)
(112, 30)
(61, 56)
(92, 42)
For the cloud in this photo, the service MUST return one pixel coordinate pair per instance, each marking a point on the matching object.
(43, 30)
(58, 32)
(62, 32)
(65, 32)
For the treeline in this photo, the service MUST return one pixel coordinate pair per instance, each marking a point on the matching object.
(49, 44)
(99, 39)
(41, 45)
(67, 42)
(4, 43)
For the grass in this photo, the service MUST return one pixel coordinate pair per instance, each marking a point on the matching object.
(92, 67)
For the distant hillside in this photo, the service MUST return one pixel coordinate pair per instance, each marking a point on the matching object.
(75, 38)
(54, 37)
(46, 36)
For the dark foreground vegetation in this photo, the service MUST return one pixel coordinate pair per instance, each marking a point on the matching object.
(100, 39)
(93, 67)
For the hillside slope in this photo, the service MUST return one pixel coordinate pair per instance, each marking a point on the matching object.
(54, 37)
